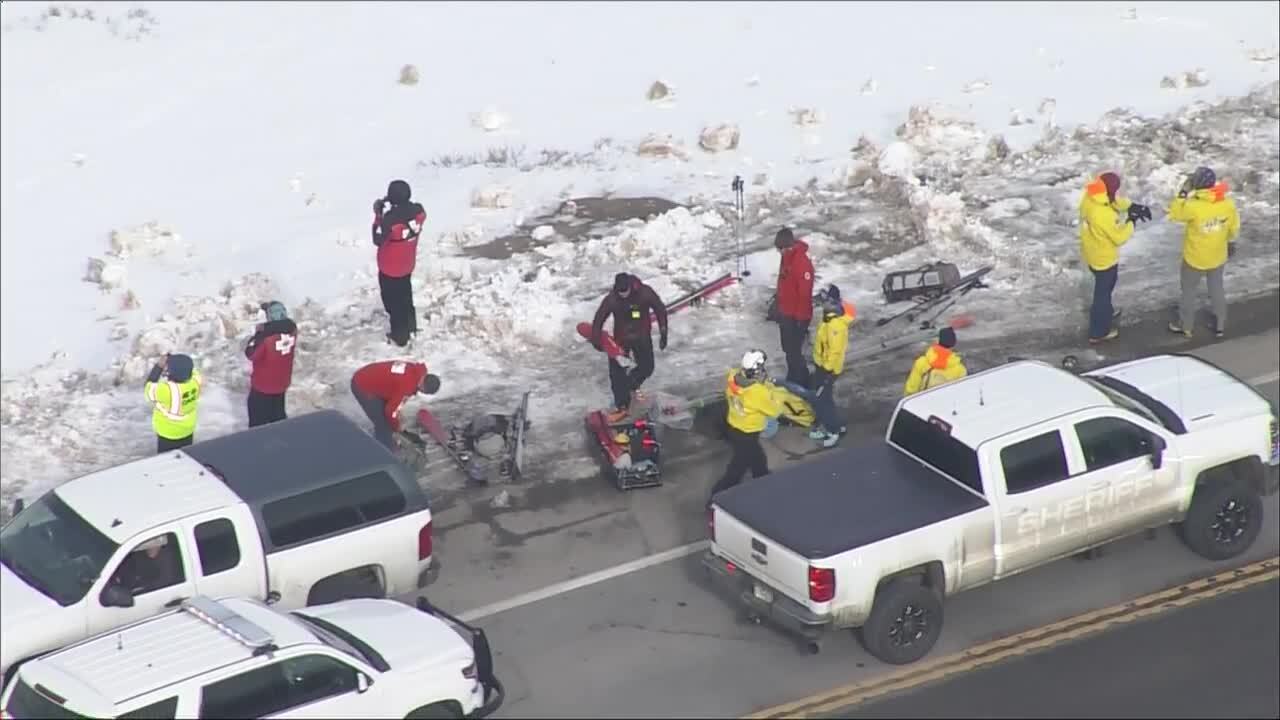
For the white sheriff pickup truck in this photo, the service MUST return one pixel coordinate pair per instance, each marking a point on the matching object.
(987, 477)
(301, 512)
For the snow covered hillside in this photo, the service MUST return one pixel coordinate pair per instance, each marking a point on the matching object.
(192, 161)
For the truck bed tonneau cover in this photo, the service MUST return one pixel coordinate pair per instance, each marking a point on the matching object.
(845, 500)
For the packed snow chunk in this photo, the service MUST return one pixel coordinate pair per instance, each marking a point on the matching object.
(130, 301)
(660, 91)
(997, 148)
(869, 87)
(898, 160)
(753, 81)
(805, 117)
(719, 138)
(490, 120)
(492, 197)
(542, 232)
(661, 146)
(1189, 79)
(1264, 55)
(976, 86)
(931, 134)
(1016, 118)
(150, 238)
(409, 75)
(1007, 208)
(106, 275)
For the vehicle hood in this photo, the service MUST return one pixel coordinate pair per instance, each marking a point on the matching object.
(1199, 393)
(405, 636)
(22, 610)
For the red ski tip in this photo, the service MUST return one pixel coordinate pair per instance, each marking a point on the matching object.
(960, 322)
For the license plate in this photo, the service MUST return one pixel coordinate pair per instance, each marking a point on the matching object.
(763, 593)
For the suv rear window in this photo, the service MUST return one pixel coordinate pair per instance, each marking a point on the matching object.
(333, 509)
(38, 702)
(935, 446)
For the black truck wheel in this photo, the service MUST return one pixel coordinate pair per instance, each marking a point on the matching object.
(1223, 521)
(448, 709)
(905, 622)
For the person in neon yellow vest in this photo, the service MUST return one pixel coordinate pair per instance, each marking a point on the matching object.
(173, 389)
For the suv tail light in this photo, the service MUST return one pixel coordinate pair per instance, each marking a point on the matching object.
(424, 542)
(822, 584)
(711, 523)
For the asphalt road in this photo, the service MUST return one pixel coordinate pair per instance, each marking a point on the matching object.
(1215, 659)
(656, 642)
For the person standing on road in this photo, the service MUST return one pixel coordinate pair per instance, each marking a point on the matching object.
(937, 366)
(271, 352)
(633, 306)
(397, 225)
(1212, 224)
(795, 302)
(381, 389)
(1102, 231)
(752, 410)
(173, 389)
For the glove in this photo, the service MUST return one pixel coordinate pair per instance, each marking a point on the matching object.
(662, 341)
(378, 206)
(1139, 212)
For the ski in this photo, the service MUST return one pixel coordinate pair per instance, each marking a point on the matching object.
(697, 296)
(514, 465)
(427, 421)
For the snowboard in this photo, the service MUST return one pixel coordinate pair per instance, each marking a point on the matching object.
(427, 421)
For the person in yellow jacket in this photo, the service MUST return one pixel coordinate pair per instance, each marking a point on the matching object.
(1212, 224)
(937, 366)
(752, 410)
(173, 389)
(829, 346)
(1102, 231)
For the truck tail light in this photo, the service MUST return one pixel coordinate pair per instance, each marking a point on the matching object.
(711, 523)
(424, 541)
(822, 584)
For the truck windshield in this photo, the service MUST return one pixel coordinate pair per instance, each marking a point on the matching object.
(29, 702)
(934, 445)
(54, 550)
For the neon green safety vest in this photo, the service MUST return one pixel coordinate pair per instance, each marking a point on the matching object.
(173, 414)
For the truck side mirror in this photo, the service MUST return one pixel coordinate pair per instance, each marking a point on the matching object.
(1157, 451)
(116, 596)
(18, 505)
(362, 682)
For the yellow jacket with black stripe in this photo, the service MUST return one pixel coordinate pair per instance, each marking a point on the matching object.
(750, 402)
(173, 405)
(832, 339)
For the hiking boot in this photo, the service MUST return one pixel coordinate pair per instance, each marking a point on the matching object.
(829, 439)
(1111, 335)
(615, 415)
(1177, 329)
(817, 434)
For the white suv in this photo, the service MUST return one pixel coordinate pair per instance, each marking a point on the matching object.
(238, 658)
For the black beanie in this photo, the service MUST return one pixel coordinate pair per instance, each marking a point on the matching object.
(398, 192)
(621, 282)
(947, 337)
(784, 239)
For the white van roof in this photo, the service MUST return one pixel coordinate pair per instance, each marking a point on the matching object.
(163, 650)
(127, 499)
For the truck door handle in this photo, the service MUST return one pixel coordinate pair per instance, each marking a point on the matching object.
(1016, 511)
(174, 602)
(1098, 485)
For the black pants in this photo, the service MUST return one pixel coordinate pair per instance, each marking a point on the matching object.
(397, 300)
(375, 409)
(1101, 313)
(748, 454)
(164, 444)
(792, 334)
(623, 381)
(264, 408)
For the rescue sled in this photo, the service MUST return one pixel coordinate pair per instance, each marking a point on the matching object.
(629, 448)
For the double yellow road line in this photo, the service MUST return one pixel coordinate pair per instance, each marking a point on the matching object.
(1043, 637)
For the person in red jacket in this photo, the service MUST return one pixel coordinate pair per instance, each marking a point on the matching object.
(381, 388)
(795, 302)
(271, 352)
(397, 225)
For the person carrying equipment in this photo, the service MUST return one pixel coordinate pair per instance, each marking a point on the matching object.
(173, 389)
(271, 352)
(632, 305)
(381, 389)
(1212, 224)
(828, 363)
(937, 366)
(752, 410)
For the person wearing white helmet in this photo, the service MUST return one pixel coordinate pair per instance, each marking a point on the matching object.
(752, 410)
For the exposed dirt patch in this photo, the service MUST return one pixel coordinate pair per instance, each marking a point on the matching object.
(575, 220)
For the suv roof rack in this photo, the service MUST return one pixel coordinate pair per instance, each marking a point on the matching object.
(235, 626)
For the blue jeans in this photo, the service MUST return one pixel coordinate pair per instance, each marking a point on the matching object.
(821, 399)
(1101, 313)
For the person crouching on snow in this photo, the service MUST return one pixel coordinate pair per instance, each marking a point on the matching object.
(937, 366)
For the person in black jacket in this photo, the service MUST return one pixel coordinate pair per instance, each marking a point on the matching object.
(632, 305)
